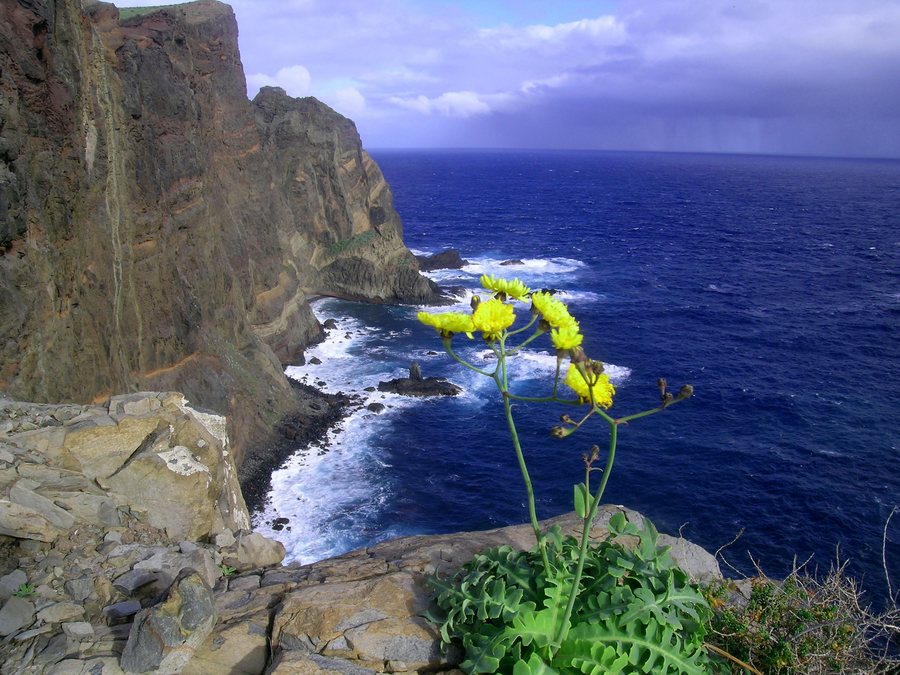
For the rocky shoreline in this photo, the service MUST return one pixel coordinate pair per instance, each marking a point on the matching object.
(321, 412)
(125, 547)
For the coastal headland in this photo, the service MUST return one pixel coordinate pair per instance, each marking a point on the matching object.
(161, 233)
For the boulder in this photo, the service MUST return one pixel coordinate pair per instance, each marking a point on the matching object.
(25, 523)
(252, 550)
(447, 259)
(163, 638)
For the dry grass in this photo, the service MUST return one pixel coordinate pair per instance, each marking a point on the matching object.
(808, 624)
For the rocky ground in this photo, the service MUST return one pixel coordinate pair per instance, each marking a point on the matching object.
(125, 547)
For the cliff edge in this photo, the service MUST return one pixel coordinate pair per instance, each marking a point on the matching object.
(158, 230)
(125, 548)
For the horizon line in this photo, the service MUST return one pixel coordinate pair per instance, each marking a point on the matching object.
(874, 158)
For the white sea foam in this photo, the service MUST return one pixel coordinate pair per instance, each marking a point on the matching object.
(331, 491)
(530, 270)
(329, 496)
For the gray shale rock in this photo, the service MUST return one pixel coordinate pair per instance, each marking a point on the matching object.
(17, 613)
(163, 638)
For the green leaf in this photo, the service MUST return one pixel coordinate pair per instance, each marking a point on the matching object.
(484, 651)
(619, 524)
(534, 666)
(651, 647)
(582, 500)
(538, 628)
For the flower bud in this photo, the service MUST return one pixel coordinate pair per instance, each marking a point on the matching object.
(686, 391)
(661, 383)
(475, 301)
(558, 432)
(668, 398)
(597, 367)
(578, 355)
(595, 453)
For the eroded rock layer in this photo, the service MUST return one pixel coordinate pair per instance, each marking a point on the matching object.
(124, 548)
(160, 231)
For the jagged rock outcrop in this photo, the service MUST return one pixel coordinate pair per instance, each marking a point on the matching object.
(160, 231)
(448, 259)
(121, 583)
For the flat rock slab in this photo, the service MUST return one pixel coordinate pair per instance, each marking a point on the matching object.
(17, 613)
(362, 612)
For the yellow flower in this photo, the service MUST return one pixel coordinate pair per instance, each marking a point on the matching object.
(567, 336)
(554, 311)
(448, 323)
(492, 317)
(602, 388)
(512, 288)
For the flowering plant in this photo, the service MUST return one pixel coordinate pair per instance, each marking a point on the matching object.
(568, 606)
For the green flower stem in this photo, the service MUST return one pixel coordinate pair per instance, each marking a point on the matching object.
(652, 411)
(536, 335)
(466, 363)
(534, 318)
(556, 376)
(586, 535)
(604, 415)
(502, 385)
(542, 399)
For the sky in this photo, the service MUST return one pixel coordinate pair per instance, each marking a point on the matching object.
(797, 77)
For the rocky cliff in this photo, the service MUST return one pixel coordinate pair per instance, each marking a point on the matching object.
(124, 548)
(160, 231)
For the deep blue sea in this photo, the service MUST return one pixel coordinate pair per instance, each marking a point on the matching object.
(772, 285)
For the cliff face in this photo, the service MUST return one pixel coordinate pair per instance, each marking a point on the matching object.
(160, 231)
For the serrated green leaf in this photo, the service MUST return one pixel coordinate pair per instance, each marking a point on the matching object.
(484, 651)
(538, 628)
(534, 666)
(599, 659)
(650, 647)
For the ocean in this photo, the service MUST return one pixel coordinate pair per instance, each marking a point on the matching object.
(770, 284)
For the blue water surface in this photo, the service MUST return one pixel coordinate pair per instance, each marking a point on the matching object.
(772, 285)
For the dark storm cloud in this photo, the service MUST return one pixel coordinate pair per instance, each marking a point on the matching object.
(712, 75)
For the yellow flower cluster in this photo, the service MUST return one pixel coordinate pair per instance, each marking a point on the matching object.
(554, 311)
(448, 323)
(566, 337)
(565, 332)
(492, 317)
(597, 385)
(511, 288)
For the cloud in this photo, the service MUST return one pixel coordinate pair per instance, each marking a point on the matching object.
(295, 80)
(756, 73)
(601, 30)
(451, 104)
(349, 102)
